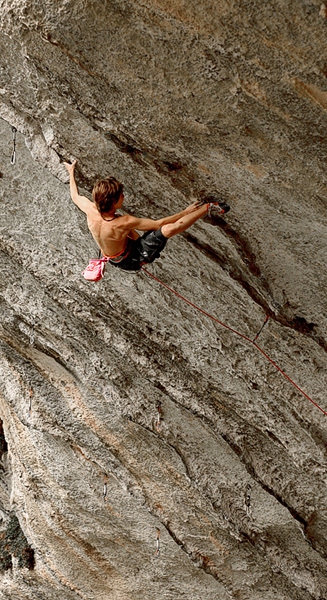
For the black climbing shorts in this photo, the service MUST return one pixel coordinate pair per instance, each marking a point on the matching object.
(143, 250)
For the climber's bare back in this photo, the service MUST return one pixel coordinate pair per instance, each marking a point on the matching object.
(110, 235)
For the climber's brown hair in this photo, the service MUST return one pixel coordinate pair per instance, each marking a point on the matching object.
(106, 194)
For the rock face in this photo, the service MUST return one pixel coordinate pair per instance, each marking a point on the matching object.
(146, 451)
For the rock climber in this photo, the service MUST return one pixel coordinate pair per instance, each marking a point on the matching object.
(116, 234)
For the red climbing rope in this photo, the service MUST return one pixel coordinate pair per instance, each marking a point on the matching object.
(241, 335)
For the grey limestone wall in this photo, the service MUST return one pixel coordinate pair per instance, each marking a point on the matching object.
(174, 98)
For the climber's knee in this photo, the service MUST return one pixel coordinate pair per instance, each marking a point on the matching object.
(171, 229)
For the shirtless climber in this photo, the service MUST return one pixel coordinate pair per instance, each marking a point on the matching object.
(116, 235)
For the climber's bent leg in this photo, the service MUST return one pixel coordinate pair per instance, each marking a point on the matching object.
(142, 251)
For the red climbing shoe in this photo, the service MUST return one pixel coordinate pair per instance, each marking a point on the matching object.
(216, 209)
(216, 205)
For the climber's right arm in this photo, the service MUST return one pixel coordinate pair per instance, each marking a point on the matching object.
(154, 224)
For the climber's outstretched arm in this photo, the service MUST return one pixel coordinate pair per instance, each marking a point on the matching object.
(149, 224)
(81, 201)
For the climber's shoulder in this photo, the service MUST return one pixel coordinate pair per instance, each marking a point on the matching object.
(86, 205)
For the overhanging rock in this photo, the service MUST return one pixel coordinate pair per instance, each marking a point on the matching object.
(172, 98)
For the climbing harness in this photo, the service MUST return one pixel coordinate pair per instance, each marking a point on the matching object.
(95, 269)
(158, 542)
(13, 156)
(241, 335)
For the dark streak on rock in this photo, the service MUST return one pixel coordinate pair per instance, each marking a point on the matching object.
(48, 38)
(14, 543)
(3, 442)
(128, 148)
(283, 317)
(234, 271)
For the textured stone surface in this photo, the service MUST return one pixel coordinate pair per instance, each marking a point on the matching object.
(173, 98)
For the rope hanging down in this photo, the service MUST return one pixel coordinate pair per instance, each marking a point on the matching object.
(241, 335)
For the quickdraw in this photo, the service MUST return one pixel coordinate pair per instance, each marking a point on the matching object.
(13, 156)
